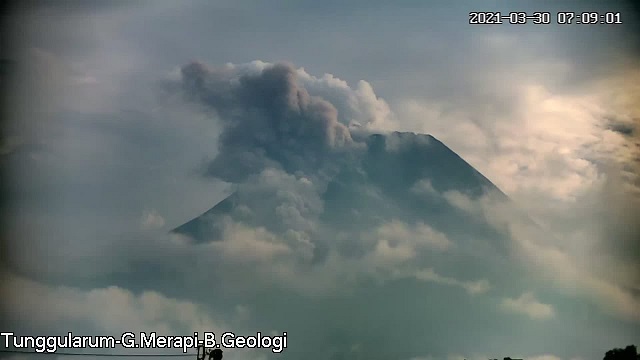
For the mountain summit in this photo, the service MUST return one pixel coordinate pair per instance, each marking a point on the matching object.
(401, 171)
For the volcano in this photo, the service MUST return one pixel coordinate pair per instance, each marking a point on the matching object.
(403, 208)
(399, 166)
(400, 175)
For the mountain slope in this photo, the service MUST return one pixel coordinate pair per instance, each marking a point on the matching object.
(394, 164)
(403, 177)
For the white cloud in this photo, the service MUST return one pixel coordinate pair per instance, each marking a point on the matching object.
(110, 310)
(270, 259)
(570, 268)
(243, 244)
(571, 276)
(418, 235)
(387, 256)
(472, 287)
(460, 201)
(423, 187)
(151, 220)
(358, 105)
(39, 308)
(544, 357)
(548, 146)
(528, 305)
(539, 149)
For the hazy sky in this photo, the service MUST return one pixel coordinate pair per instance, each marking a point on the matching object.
(115, 112)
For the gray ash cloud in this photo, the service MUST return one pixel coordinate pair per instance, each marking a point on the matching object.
(270, 120)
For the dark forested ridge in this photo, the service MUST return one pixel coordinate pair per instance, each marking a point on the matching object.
(628, 353)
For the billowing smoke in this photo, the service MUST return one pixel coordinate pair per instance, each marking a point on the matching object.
(270, 119)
